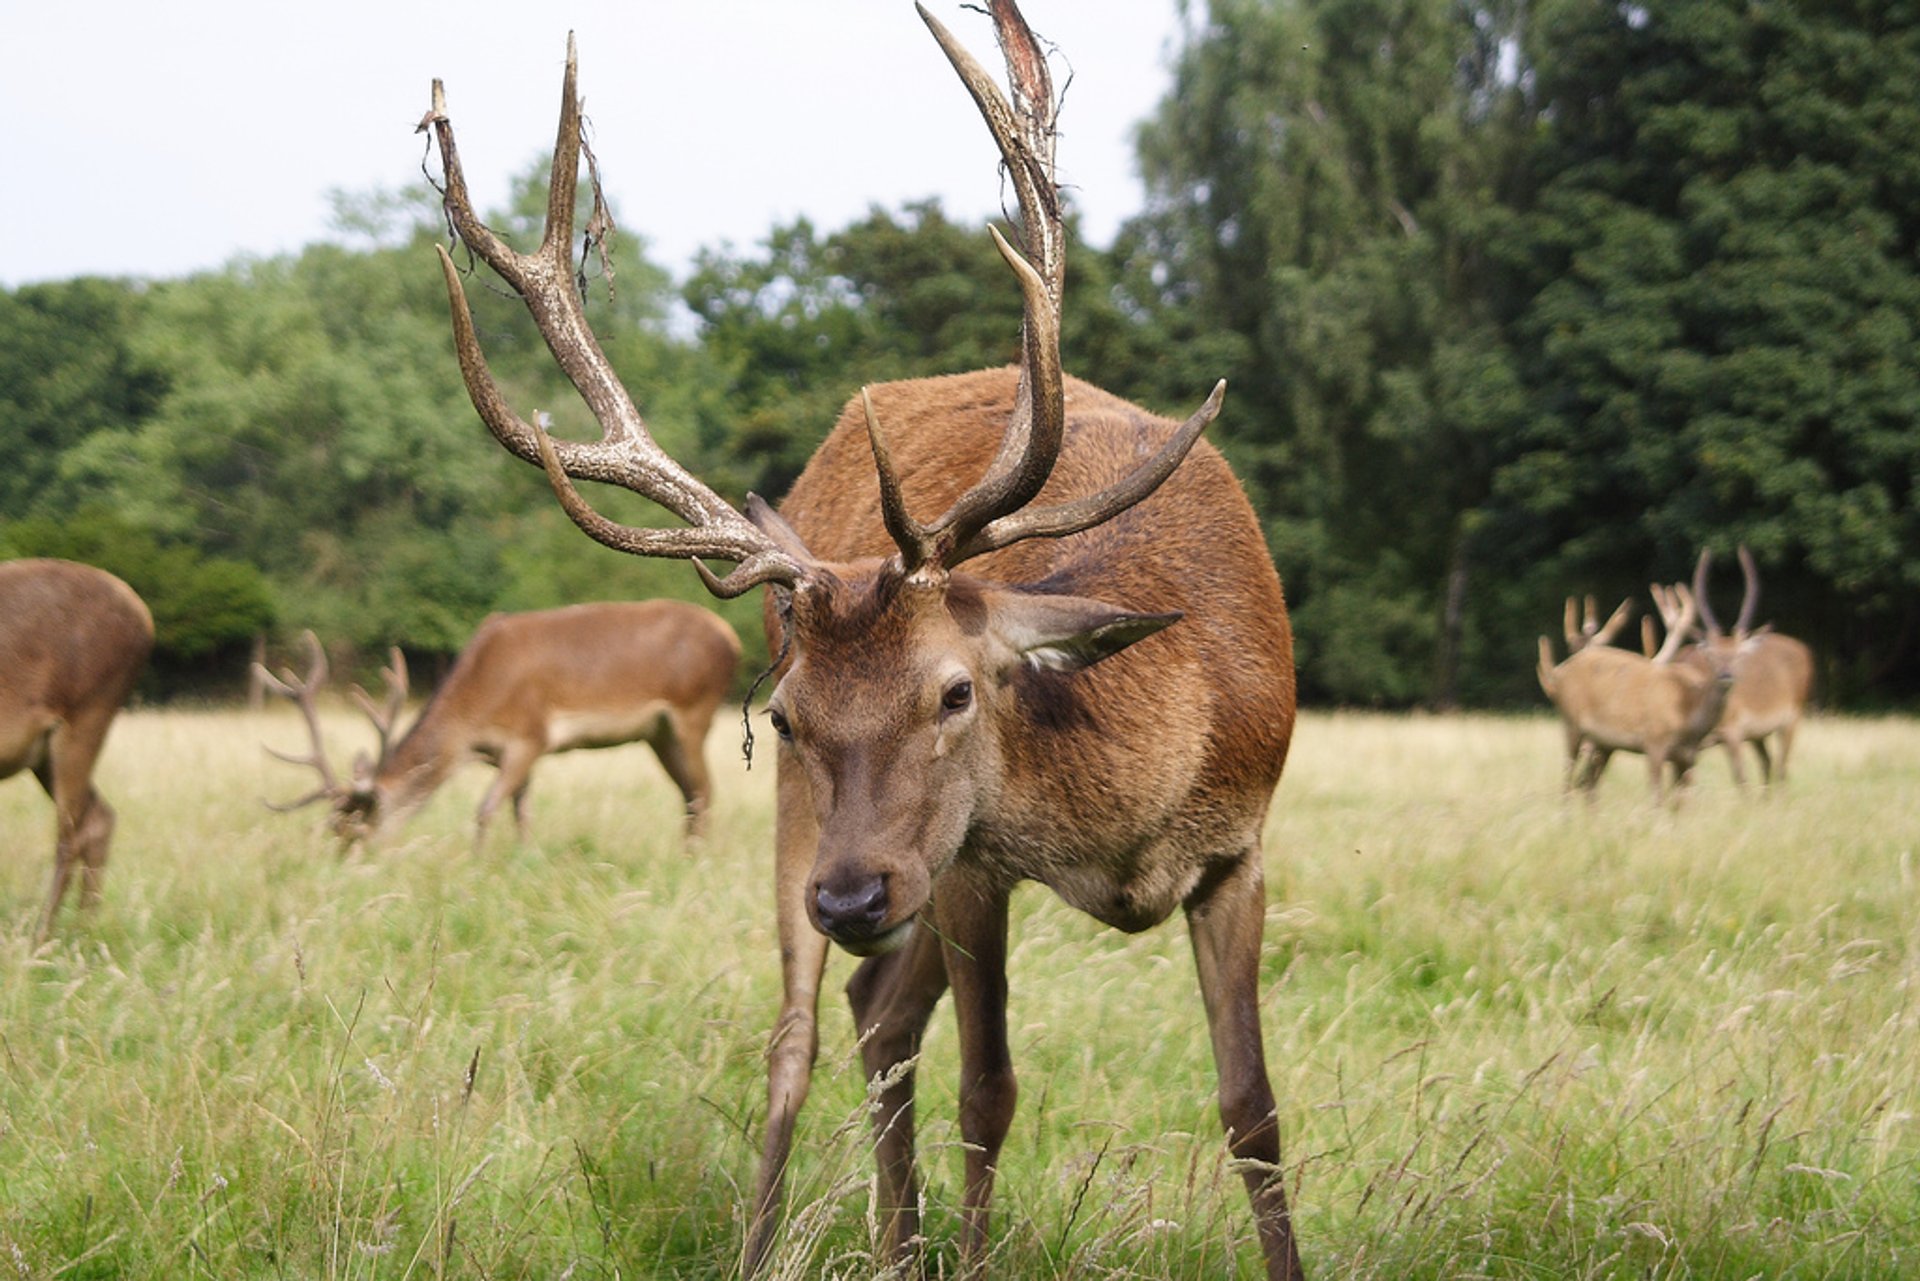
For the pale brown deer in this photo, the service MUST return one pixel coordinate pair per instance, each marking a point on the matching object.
(526, 686)
(73, 640)
(1101, 700)
(1772, 676)
(1613, 700)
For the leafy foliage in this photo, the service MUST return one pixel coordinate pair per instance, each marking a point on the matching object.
(201, 605)
(1512, 301)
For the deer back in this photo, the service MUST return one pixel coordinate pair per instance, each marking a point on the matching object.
(1626, 701)
(586, 673)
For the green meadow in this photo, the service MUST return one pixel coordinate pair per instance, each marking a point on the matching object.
(1512, 1035)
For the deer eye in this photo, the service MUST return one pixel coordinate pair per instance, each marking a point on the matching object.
(781, 725)
(957, 698)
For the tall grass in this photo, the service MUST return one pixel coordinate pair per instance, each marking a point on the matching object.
(1512, 1036)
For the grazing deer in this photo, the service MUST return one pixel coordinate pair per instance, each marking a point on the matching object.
(1078, 672)
(528, 685)
(73, 640)
(1772, 675)
(1615, 700)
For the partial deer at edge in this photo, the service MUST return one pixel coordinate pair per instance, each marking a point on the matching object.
(1772, 676)
(1028, 636)
(528, 685)
(1613, 700)
(73, 640)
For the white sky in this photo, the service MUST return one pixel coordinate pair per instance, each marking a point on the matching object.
(159, 139)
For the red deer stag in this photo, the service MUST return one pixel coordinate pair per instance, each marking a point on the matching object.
(1615, 700)
(1101, 701)
(73, 640)
(528, 685)
(1772, 676)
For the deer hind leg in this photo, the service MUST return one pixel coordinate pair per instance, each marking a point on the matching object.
(1595, 765)
(1766, 760)
(681, 748)
(83, 821)
(796, 1038)
(971, 917)
(1225, 928)
(893, 996)
(1733, 760)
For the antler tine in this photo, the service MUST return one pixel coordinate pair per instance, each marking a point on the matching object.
(1061, 519)
(383, 715)
(626, 455)
(1679, 624)
(301, 692)
(1603, 634)
(1701, 593)
(1750, 602)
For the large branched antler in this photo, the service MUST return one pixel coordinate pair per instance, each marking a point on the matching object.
(993, 513)
(626, 455)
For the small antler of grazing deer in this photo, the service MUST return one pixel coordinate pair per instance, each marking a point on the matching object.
(1679, 609)
(301, 692)
(383, 715)
(1579, 634)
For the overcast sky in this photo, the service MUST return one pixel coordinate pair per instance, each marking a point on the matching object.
(157, 140)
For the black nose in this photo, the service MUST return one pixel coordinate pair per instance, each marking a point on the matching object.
(852, 910)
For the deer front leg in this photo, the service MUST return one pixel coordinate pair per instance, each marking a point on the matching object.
(512, 779)
(796, 1037)
(893, 996)
(972, 919)
(1225, 928)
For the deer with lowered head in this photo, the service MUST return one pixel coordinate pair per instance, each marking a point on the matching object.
(528, 685)
(73, 640)
(1772, 675)
(1613, 700)
(1026, 632)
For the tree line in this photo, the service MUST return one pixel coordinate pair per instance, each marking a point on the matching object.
(1513, 301)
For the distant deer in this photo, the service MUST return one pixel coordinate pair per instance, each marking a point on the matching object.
(73, 640)
(1772, 676)
(1615, 700)
(1100, 701)
(528, 685)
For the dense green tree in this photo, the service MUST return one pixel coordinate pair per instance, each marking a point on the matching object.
(1722, 306)
(1323, 181)
(205, 609)
(68, 368)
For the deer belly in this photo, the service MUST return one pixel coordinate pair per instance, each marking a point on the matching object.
(604, 726)
(23, 749)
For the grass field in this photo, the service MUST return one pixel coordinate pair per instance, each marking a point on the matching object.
(1511, 1036)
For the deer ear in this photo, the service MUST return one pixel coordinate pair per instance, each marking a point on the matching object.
(771, 523)
(1067, 633)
